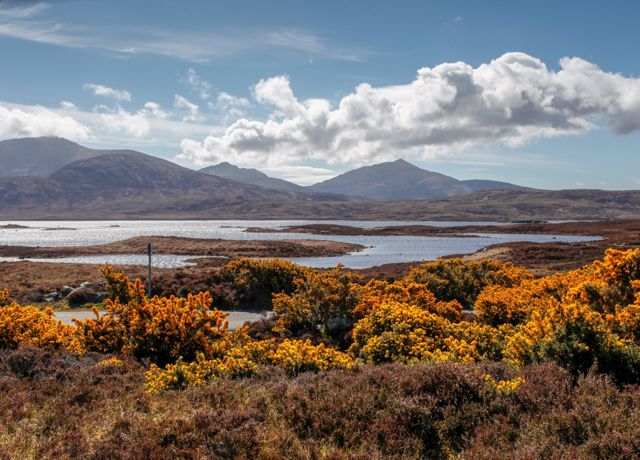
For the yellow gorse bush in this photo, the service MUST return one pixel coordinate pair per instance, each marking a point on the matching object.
(505, 387)
(161, 329)
(321, 303)
(4, 297)
(295, 356)
(584, 319)
(28, 325)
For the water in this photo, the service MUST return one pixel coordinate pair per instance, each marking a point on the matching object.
(379, 249)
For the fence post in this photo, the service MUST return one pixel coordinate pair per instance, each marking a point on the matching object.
(149, 271)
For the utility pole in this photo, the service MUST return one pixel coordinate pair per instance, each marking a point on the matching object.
(149, 271)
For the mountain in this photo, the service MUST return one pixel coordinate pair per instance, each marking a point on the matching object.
(400, 180)
(125, 184)
(132, 184)
(249, 176)
(40, 156)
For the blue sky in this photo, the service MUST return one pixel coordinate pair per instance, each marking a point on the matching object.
(305, 90)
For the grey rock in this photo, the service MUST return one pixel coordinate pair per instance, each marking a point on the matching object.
(66, 290)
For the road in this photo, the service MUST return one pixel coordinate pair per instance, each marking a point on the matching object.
(236, 318)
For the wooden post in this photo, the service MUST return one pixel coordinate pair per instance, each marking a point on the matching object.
(149, 271)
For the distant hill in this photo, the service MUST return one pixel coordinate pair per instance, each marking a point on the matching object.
(130, 184)
(123, 184)
(400, 180)
(249, 176)
(40, 156)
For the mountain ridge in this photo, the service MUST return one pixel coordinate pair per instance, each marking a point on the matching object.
(249, 175)
(401, 180)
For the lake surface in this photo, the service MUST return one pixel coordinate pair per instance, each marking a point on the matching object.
(379, 249)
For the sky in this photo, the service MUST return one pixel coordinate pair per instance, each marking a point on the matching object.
(539, 93)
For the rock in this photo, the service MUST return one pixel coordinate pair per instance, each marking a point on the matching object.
(35, 297)
(66, 290)
(337, 324)
(51, 297)
(82, 296)
(86, 285)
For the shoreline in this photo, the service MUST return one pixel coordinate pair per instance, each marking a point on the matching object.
(190, 247)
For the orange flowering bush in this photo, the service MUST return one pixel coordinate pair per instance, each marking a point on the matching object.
(117, 286)
(454, 279)
(295, 356)
(576, 337)
(27, 325)
(161, 329)
(4, 297)
(256, 280)
(376, 292)
(397, 331)
(505, 387)
(322, 303)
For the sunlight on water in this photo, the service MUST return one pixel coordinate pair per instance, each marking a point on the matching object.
(379, 249)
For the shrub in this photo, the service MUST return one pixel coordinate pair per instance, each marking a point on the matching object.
(27, 325)
(117, 284)
(454, 279)
(577, 338)
(376, 292)
(255, 281)
(5, 298)
(160, 329)
(322, 304)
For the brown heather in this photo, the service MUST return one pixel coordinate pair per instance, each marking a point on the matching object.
(56, 405)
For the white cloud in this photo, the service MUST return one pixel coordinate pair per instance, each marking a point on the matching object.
(28, 23)
(67, 105)
(315, 45)
(193, 111)
(105, 91)
(153, 110)
(38, 121)
(197, 84)
(302, 175)
(22, 11)
(448, 108)
(134, 124)
(228, 100)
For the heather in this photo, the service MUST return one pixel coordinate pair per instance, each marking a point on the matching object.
(347, 367)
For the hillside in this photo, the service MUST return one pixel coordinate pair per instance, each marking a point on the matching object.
(41, 156)
(249, 176)
(128, 185)
(400, 180)
(132, 185)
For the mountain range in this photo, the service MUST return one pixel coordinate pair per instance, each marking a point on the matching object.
(396, 180)
(51, 178)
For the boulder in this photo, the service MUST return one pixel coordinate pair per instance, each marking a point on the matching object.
(52, 297)
(66, 290)
(82, 296)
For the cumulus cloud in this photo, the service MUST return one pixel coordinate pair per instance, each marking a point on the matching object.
(227, 100)
(134, 124)
(39, 121)
(197, 84)
(101, 90)
(153, 110)
(193, 111)
(510, 101)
